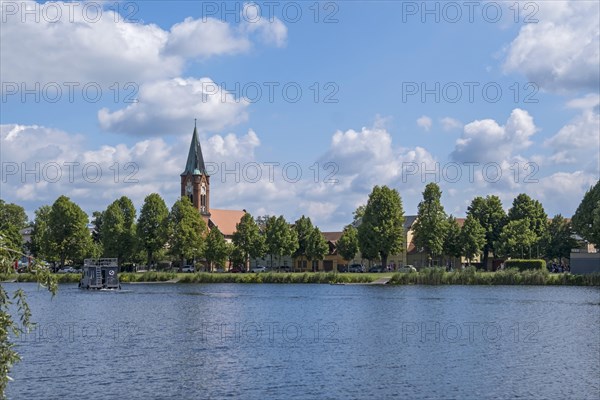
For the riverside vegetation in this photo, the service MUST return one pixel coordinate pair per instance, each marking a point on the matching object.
(427, 276)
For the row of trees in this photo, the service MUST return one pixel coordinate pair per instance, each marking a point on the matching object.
(60, 231)
(523, 232)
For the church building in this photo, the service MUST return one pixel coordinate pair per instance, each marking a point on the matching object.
(195, 184)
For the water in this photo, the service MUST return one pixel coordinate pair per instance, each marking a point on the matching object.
(163, 341)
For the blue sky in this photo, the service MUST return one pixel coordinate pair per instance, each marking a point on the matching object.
(361, 68)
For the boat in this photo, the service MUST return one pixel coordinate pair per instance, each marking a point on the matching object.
(100, 274)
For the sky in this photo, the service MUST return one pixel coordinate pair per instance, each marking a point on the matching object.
(301, 106)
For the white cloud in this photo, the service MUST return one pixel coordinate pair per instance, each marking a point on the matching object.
(578, 142)
(78, 47)
(449, 124)
(562, 51)
(271, 31)
(424, 122)
(487, 141)
(169, 107)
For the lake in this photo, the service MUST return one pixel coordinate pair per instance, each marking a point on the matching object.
(177, 341)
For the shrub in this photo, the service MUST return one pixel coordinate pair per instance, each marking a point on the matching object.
(524, 265)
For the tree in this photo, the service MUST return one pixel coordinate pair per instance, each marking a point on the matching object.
(217, 251)
(532, 211)
(152, 226)
(41, 245)
(12, 220)
(303, 227)
(452, 241)
(280, 239)
(67, 232)
(472, 238)
(382, 227)
(586, 220)
(248, 239)
(491, 216)
(347, 245)
(118, 231)
(186, 230)
(316, 246)
(516, 236)
(560, 239)
(358, 214)
(431, 225)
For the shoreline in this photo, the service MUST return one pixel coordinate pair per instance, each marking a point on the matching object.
(425, 277)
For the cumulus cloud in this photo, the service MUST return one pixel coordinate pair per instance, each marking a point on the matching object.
(449, 124)
(487, 141)
(562, 51)
(578, 142)
(168, 107)
(80, 46)
(424, 122)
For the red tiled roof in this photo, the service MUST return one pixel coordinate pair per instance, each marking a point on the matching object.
(226, 220)
(332, 237)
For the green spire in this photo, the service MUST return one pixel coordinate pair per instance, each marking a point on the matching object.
(195, 161)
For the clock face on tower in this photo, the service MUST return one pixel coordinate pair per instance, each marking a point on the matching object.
(188, 187)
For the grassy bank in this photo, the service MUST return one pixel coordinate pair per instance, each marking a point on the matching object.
(434, 276)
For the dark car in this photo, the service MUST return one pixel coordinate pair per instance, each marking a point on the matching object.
(356, 268)
(377, 268)
(237, 269)
(342, 268)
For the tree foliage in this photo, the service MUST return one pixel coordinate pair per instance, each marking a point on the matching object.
(489, 213)
(431, 226)
(280, 238)
(186, 230)
(472, 238)
(152, 226)
(586, 220)
(381, 228)
(516, 239)
(118, 231)
(452, 241)
(248, 239)
(67, 233)
(217, 250)
(347, 245)
(560, 239)
(316, 246)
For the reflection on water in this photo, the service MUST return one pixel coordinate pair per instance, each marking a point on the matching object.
(311, 342)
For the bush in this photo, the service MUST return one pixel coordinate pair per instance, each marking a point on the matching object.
(525, 265)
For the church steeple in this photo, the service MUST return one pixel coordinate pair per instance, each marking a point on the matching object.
(195, 182)
(195, 161)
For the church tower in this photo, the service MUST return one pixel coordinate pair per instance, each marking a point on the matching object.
(195, 182)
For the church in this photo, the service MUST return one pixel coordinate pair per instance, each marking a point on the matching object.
(195, 184)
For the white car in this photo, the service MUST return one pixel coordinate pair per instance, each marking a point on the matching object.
(259, 268)
(188, 268)
(407, 268)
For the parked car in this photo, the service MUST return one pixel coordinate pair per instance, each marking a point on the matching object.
(258, 268)
(67, 270)
(188, 268)
(342, 268)
(356, 268)
(407, 268)
(377, 268)
(237, 269)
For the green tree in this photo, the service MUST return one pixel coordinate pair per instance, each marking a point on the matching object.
(431, 225)
(248, 239)
(217, 251)
(303, 227)
(382, 228)
(118, 231)
(186, 231)
(516, 239)
(316, 246)
(280, 238)
(12, 219)
(560, 239)
(97, 217)
(472, 238)
(347, 245)
(41, 243)
(586, 220)
(491, 216)
(67, 231)
(532, 211)
(452, 241)
(152, 226)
